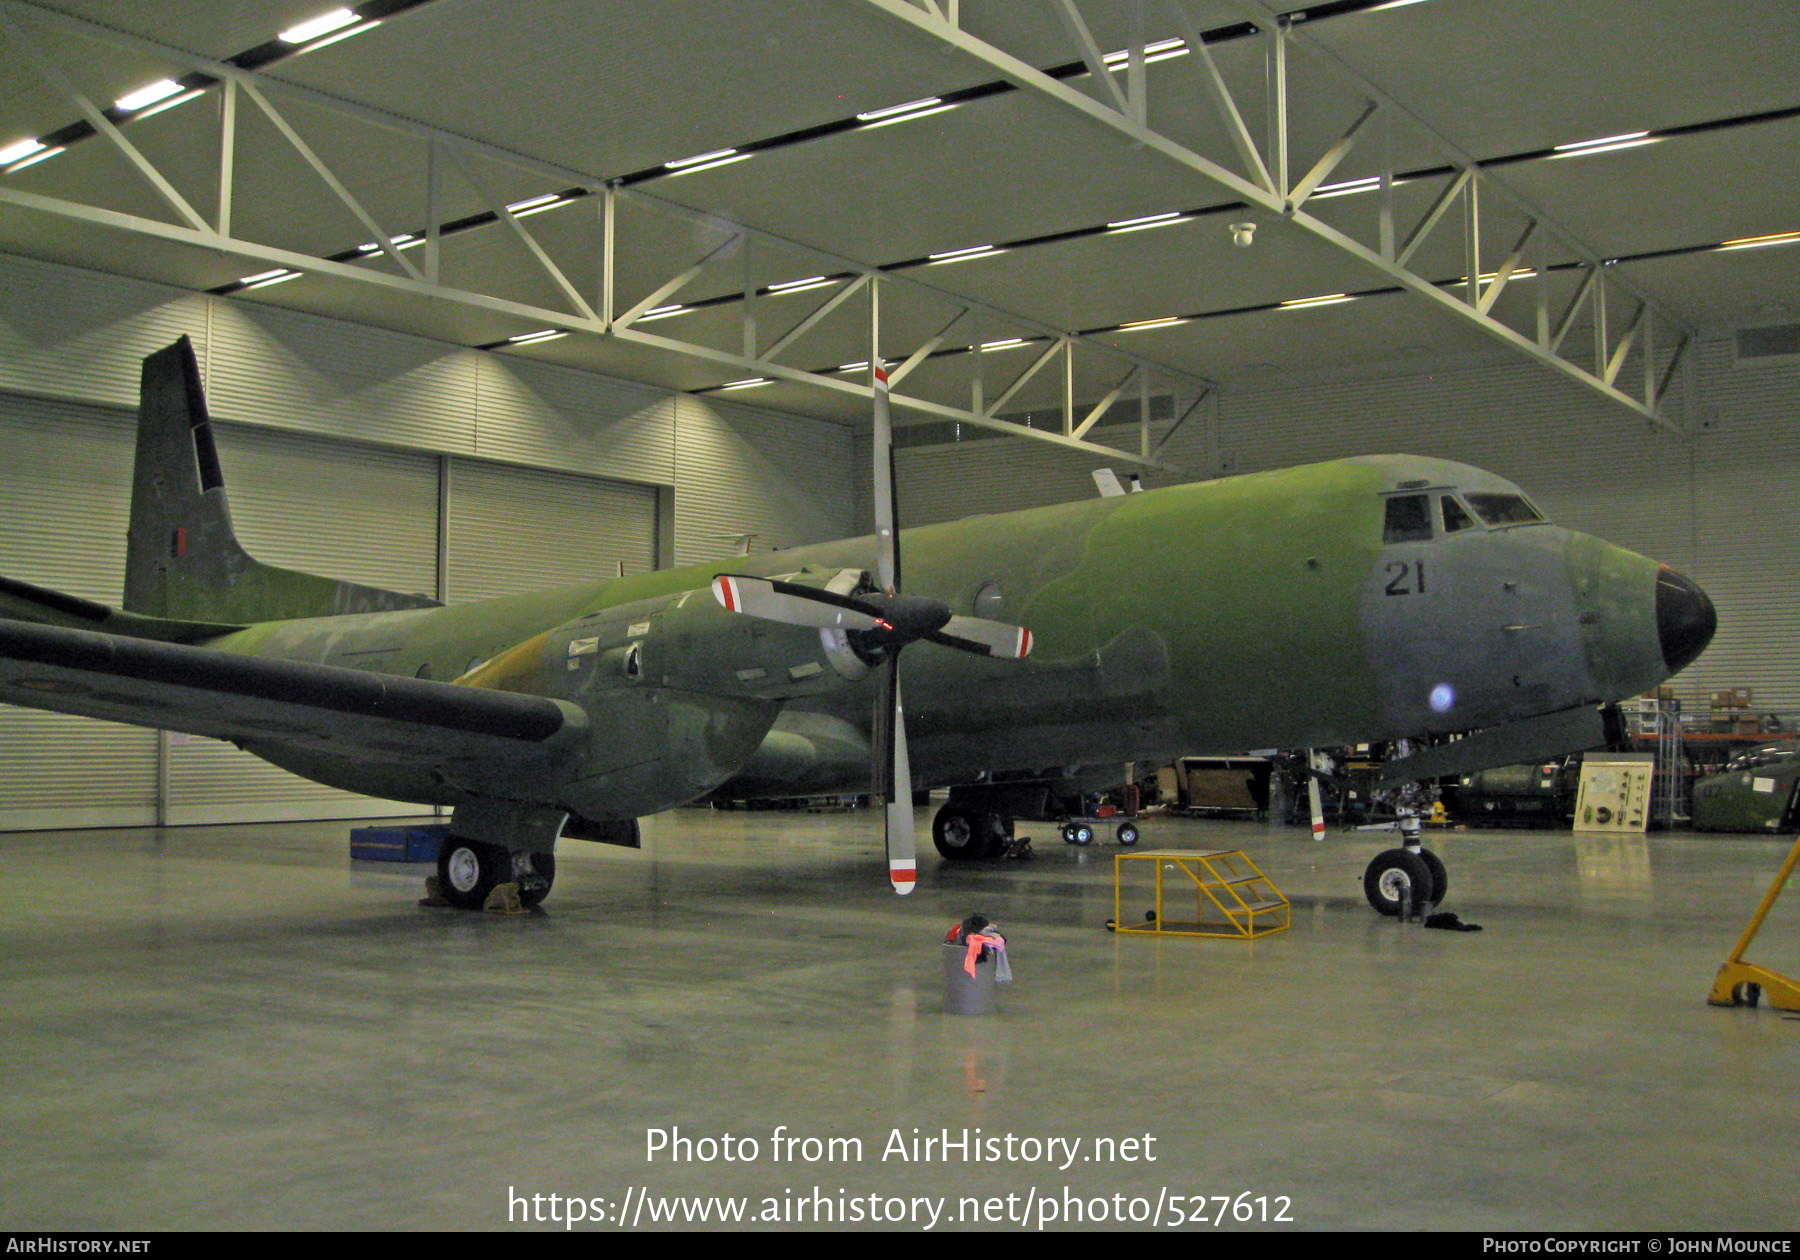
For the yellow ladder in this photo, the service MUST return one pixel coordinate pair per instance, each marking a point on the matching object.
(1232, 897)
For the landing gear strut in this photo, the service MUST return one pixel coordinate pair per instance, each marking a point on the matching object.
(1409, 880)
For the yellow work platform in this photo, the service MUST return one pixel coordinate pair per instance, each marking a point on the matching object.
(1232, 897)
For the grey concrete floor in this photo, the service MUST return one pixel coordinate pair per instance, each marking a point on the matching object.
(237, 1027)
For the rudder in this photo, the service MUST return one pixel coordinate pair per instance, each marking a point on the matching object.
(183, 559)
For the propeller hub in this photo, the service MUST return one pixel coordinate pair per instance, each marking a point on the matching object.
(903, 618)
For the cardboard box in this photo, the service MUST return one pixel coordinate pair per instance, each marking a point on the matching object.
(1731, 698)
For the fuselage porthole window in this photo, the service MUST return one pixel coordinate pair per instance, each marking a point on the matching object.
(1456, 516)
(1408, 519)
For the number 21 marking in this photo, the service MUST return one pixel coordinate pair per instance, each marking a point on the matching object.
(1402, 571)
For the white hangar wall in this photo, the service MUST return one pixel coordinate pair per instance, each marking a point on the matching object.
(364, 454)
(1716, 499)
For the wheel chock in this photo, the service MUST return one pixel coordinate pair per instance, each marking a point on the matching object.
(434, 894)
(504, 900)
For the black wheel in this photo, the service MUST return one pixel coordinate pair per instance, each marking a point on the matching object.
(1128, 833)
(1395, 877)
(1068, 833)
(1440, 876)
(995, 832)
(1080, 834)
(959, 834)
(468, 870)
(534, 885)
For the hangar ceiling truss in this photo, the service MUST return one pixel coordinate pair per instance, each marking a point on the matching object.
(664, 246)
(1619, 327)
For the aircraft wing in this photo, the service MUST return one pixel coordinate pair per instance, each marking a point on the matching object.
(254, 699)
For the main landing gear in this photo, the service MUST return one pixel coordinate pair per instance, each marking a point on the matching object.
(470, 870)
(963, 833)
(1407, 881)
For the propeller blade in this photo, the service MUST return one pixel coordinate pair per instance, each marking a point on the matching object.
(790, 604)
(984, 637)
(887, 539)
(1312, 796)
(894, 775)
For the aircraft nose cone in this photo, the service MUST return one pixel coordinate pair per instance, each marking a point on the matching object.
(1685, 618)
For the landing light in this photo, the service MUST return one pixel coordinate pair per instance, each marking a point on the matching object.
(1443, 698)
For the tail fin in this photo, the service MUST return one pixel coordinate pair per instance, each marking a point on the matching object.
(183, 559)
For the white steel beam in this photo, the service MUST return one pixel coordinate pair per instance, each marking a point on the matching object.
(1034, 81)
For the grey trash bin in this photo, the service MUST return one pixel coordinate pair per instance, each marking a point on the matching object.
(965, 994)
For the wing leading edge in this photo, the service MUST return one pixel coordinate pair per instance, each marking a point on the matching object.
(253, 699)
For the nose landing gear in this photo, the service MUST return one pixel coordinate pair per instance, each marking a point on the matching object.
(1408, 881)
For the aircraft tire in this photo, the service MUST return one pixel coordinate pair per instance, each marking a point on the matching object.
(533, 891)
(1393, 872)
(468, 870)
(1440, 876)
(1128, 834)
(960, 834)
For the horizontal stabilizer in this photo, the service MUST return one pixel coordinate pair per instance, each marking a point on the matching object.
(1534, 739)
(21, 601)
(253, 699)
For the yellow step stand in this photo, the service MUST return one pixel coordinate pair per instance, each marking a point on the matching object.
(1232, 897)
(1740, 983)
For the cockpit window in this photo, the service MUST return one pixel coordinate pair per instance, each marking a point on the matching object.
(1408, 519)
(1455, 516)
(1503, 509)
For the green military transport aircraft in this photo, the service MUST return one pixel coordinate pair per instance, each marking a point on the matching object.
(1372, 598)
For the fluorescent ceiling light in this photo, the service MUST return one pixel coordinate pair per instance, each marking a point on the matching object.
(354, 30)
(161, 90)
(23, 149)
(1323, 299)
(798, 286)
(34, 159)
(858, 366)
(546, 334)
(679, 163)
(1348, 187)
(1757, 242)
(312, 28)
(746, 383)
(707, 166)
(891, 110)
(1162, 50)
(957, 255)
(1005, 344)
(406, 240)
(1523, 273)
(535, 205)
(1145, 221)
(900, 118)
(171, 103)
(263, 279)
(1604, 144)
(660, 312)
(1395, 4)
(1165, 322)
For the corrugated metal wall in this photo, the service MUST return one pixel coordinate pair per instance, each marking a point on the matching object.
(742, 471)
(523, 529)
(330, 438)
